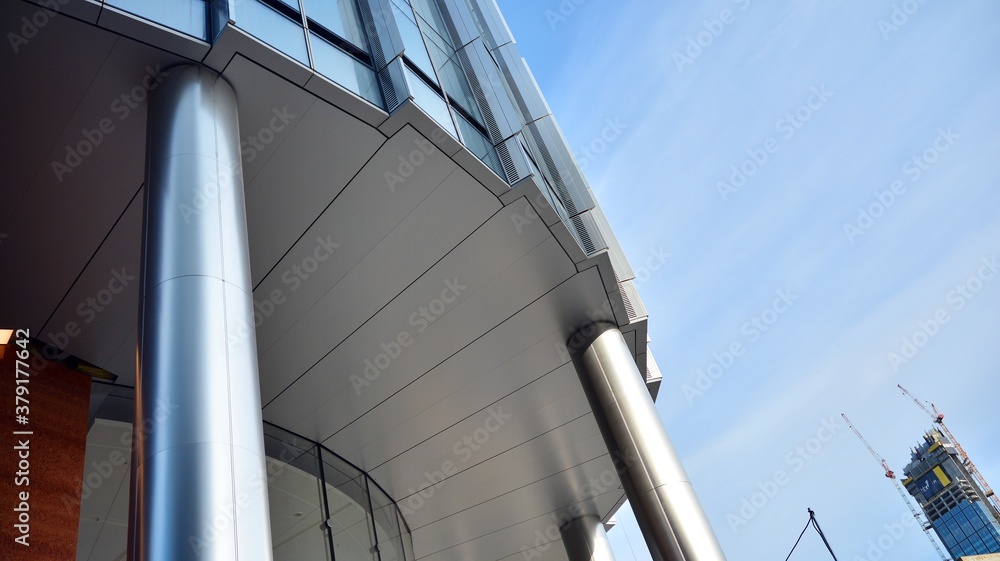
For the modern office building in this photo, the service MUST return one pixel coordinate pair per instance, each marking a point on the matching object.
(314, 279)
(954, 503)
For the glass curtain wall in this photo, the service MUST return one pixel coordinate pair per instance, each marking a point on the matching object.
(321, 506)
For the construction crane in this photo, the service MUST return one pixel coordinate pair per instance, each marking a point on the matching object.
(938, 418)
(891, 475)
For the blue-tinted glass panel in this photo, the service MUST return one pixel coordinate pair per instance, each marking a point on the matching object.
(478, 144)
(429, 100)
(340, 17)
(413, 43)
(186, 16)
(273, 28)
(977, 544)
(966, 526)
(345, 70)
(457, 87)
(428, 11)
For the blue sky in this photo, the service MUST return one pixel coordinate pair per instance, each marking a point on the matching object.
(824, 106)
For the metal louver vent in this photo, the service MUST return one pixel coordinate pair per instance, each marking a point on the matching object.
(388, 89)
(629, 309)
(477, 90)
(553, 171)
(503, 152)
(378, 57)
(583, 236)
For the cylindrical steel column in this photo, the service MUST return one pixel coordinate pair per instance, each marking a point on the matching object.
(586, 540)
(665, 506)
(199, 485)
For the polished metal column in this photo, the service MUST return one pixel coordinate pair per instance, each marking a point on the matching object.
(585, 540)
(665, 506)
(199, 484)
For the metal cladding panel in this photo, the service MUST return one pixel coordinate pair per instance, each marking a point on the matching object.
(392, 282)
(585, 230)
(502, 119)
(558, 165)
(343, 386)
(491, 23)
(541, 497)
(553, 453)
(54, 166)
(387, 240)
(524, 90)
(460, 21)
(103, 301)
(393, 83)
(517, 352)
(623, 269)
(536, 408)
(383, 33)
(535, 538)
(633, 303)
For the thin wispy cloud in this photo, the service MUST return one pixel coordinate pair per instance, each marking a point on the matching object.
(812, 215)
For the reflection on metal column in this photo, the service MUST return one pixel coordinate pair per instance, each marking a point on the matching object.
(199, 489)
(585, 540)
(665, 506)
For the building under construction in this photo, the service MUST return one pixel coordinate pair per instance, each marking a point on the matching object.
(961, 510)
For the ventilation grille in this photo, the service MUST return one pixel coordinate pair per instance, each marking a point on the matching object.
(378, 56)
(477, 90)
(388, 89)
(629, 309)
(503, 152)
(553, 171)
(583, 236)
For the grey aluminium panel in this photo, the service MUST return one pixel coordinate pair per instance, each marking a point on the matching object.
(200, 457)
